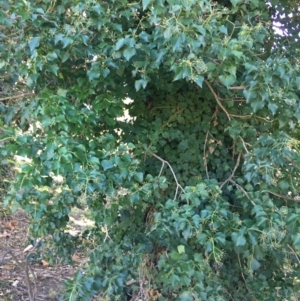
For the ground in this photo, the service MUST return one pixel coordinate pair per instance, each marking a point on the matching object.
(46, 282)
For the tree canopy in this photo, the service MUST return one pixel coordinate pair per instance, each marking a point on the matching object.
(196, 195)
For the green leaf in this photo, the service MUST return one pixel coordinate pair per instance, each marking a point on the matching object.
(53, 68)
(62, 92)
(186, 232)
(129, 53)
(199, 80)
(93, 74)
(34, 43)
(236, 53)
(254, 264)
(227, 80)
(241, 241)
(140, 83)
(223, 29)
(146, 3)
(273, 107)
(257, 105)
(138, 176)
(284, 185)
(51, 56)
(168, 33)
(120, 44)
(236, 2)
(97, 8)
(186, 296)
(296, 240)
(65, 57)
(66, 41)
(181, 249)
(107, 164)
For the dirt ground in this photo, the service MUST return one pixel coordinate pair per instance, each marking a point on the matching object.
(20, 276)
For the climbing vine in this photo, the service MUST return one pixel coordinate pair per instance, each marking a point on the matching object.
(175, 123)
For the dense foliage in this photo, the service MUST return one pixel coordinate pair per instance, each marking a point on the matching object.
(195, 196)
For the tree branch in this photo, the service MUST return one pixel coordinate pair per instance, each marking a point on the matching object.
(173, 173)
(234, 170)
(17, 96)
(217, 99)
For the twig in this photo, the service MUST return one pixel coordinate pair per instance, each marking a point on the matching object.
(243, 190)
(293, 251)
(217, 99)
(234, 170)
(28, 270)
(244, 144)
(242, 116)
(175, 178)
(243, 274)
(105, 230)
(27, 278)
(16, 96)
(204, 153)
(286, 198)
(238, 88)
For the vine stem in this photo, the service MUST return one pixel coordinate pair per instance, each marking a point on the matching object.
(217, 99)
(293, 251)
(178, 186)
(16, 96)
(204, 157)
(243, 274)
(234, 170)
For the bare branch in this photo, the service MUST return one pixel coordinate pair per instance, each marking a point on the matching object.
(204, 155)
(31, 293)
(244, 144)
(286, 198)
(17, 96)
(234, 170)
(243, 190)
(238, 88)
(217, 99)
(293, 251)
(173, 173)
(243, 274)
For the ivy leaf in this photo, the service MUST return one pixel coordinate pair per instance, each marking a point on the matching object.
(254, 264)
(51, 56)
(120, 44)
(92, 74)
(181, 249)
(129, 52)
(140, 83)
(296, 240)
(145, 3)
(53, 68)
(247, 94)
(97, 8)
(223, 29)
(168, 33)
(272, 107)
(34, 43)
(199, 80)
(62, 92)
(257, 105)
(186, 232)
(241, 241)
(66, 41)
(107, 164)
(236, 2)
(138, 176)
(236, 53)
(227, 80)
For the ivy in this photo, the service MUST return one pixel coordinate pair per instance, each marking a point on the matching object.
(193, 184)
